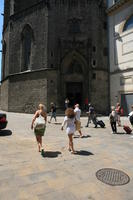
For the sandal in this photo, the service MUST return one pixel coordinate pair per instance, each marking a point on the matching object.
(73, 152)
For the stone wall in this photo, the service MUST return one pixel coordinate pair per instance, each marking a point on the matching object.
(63, 31)
(5, 95)
(39, 47)
(6, 12)
(22, 5)
(25, 91)
(78, 27)
(100, 91)
(121, 53)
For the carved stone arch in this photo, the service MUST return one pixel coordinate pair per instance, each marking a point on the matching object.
(129, 19)
(74, 55)
(27, 27)
(121, 27)
(27, 42)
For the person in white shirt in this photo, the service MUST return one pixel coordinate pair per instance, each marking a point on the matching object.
(113, 119)
(69, 121)
(131, 116)
(77, 117)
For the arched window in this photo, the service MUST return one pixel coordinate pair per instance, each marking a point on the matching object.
(74, 25)
(129, 24)
(3, 60)
(75, 67)
(27, 42)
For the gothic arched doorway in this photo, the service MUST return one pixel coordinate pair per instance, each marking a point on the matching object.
(74, 78)
(74, 92)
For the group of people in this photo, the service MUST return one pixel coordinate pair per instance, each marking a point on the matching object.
(72, 122)
(115, 115)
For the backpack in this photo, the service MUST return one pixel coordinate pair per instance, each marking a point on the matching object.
(39, 123)
(101, 123)
(112, 119)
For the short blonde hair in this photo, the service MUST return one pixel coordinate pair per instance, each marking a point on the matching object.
(41, 106)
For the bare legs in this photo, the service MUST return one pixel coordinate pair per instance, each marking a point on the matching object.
(71, 148)
(39, 142)
(81, 135)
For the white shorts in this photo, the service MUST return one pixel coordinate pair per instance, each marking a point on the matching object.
(70, 130)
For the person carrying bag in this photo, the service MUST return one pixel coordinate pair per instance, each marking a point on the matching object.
(39, 124)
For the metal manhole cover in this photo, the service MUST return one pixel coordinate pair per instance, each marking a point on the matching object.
(112, 176)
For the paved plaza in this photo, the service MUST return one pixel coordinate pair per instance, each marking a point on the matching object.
(26, 175)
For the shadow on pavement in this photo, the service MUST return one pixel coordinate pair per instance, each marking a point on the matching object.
(84, 153)
(50, 154)
(120, 133)
(57, 123)
(5, 133)
(84, 136)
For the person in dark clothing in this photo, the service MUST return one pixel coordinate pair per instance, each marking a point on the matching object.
(66, 103)
(53, 112)
(91, 116)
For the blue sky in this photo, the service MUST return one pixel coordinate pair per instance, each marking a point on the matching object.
(1, 23)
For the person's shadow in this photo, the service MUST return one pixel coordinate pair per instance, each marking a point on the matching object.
(50, 154)
(84, 153)
(84, 136)
(120, 133)
(4, 133)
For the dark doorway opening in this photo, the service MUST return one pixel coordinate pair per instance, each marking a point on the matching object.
(126, 103)
(74, 93)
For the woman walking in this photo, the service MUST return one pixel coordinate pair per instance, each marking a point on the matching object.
(69, 121)
(39, 125)
(118, 111)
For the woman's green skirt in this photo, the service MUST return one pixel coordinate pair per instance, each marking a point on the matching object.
(40, 131)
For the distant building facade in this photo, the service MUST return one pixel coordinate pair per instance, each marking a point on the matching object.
(53, 49)
(120, 23)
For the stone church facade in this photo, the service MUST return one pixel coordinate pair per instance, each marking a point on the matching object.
(53, 49)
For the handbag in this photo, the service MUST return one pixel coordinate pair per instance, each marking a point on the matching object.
(39, 123)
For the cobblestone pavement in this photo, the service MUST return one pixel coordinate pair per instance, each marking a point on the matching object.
(26, 175)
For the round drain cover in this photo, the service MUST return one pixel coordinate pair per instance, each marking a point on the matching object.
(112, 176)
